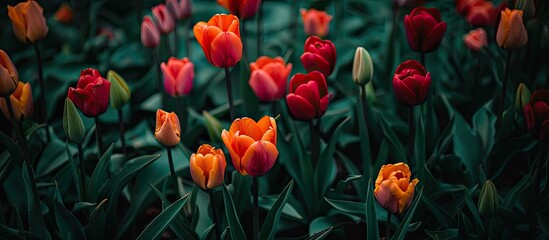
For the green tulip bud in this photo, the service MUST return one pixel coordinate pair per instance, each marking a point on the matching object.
(212, 126)
(363, 69)
(488, 201)
(120, 91)
(523, 97)
(72, 122)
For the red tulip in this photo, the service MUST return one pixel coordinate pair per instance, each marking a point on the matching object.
(316, 22)
(242, 8)
(269, 77)
(220, 40)
(308, 97)
(163, 18)
(150, 35)
(91, 94)
(463, 6)
(178, 76)
(536, 115)
(476, 39)
(411, 83)
(424, 29)
(482, 14)
(320, 55)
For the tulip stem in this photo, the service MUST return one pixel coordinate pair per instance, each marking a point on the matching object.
(388, 226)
(175, 40)
(83, 196)
(172, 173)
(121, 125)
(98, 137)
(243, 37)
(18, 130)
(363, 131)
(186, 35)
(412, 133)
(168, 47)
(229, 92)
(499, 119)
(259, 22)
(157, 68)
(315, 141)
(43, 90)
(181, 108)
(214, 213)
(423, 59)
(255, 208)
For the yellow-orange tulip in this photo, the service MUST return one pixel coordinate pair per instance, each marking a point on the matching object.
(511, 31)
(168, 130)
(394, 191)
(252, 145)
(21, 101)
(27, 19)
(207, 166)
(8, 75)
(220, 40)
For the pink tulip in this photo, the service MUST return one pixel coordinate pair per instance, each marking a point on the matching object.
(269, 77)
(179, 9)
(178, 76)
(476, 39)
(150, 36)
(163, 19)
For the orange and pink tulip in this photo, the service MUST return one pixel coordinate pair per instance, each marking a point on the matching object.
(8, 75)
(28, 22)
(168, 130)
(207, 166)
(220, 40)
(394, 189)
(511, 31)
(268, 78)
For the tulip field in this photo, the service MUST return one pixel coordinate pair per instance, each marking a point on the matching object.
(274, 119)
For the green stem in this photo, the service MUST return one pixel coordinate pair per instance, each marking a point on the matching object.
(18, 131)
(121, 126)
(186, 35)
(363, 131)
(243, 37)
(504, 90)
(168, 46)
(83, 188)
(172, 173)
(255, 208)
(388, 226)
(229, 92)
(412, 133)
(181, 108)
(43, 91)
(157, 68)
(259, 22)
(390, 49)
(315, 143)
(423, 59)
(98, 136)
(214, 213)
(175, 41)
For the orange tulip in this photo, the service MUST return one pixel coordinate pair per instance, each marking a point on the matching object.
(511, 31)
(394, 191)
(220, 40)
(8, 75)
(252, 145)
(207, 166)
(168, 130)
(27, 19)
(64, 14)
(315, 22)
(21, 101)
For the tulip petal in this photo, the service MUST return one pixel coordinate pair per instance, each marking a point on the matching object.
(198, 31)
(422, 95)
(299, 107)
(184, 79)
(518, 36)
(263, 85)
(35, 21)
(385, 197)
(529, 116)
(169, 81)
(197, 172)
(503, 29)
(240, 145)
(313, 62)
(309, 91)
(259, 158)
(434, 37)
(18, 23)
(411, 34)
(226, 50)
(404, 95)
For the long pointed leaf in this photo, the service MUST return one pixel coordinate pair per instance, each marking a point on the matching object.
(372, 227)
(159, 224)
(268, 230)
(404, 225)
(99, 175)
(236, 230)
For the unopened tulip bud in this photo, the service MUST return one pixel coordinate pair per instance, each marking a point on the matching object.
(488, 201)
(120, 91)
(28, 22)
(363, 68)
(511, 31)
(522, 97)
(168, 130)
(8, 75)
(72, 122)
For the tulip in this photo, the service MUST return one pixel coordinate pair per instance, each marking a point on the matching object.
(488, 201)
(91, 94)
(64, 14)
(220, 40)
(536, 115)
(163, 18)
(150, 35)
(511, 31)
(120, 92)
(315, 22)
(21, 101)
(72, 122)
(180, 9)
(178, 76)
(167, 129)
(482, 14)
(363, 68)
(464, 6)
(476, 39)
(319, 55)
(411, 83)
(242, 8)
(268, 78)
(424, 29)
(393, 189)
(308, 97)
(28, 22)
(8, 75)
(522, 97)
(252, 145)
(207, 166)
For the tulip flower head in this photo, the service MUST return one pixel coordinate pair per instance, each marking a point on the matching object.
(120, 92)
(180, 9)
(220, 40)
(315, 22)
(163, 18)
(207, 166)
(268, 78)
(91, 94)
(483, 14)
(244, 9)
(363, 68)
(21, 101)
(72, 123)
(308, 97)
(252, 145)
(8, 75)
(150, 35)
(464, 6)
(476, 39)
(28, 22)
(536, 115)
(522, 97)
(64, 14)
(424, 29)
(411, 83)
(178, 76)
(394, 189)
(168, 130)
(319, 55)
(511, 31)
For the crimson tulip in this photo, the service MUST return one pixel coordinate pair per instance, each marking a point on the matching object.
(163, 18)
(319, 55)
(536, 115)
(482, 14)
(411, 83)
(91, 94)
(308, 97)
(150, 35)
(424, 29)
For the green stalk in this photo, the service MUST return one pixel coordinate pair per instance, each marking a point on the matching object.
(175, 41)
(172, 173)
(255, 208)
(504, 90)
(363, 131)
(157, 68)
(214, 213)
(229, 92)
(169, 51)
(315, 143)
(412, 133)
(243, 37)
(388, 226)
(98, 136)
(186, 35)
(259, 22)
(42, 90)
(121, 126)
(83, 188)
(181, 108)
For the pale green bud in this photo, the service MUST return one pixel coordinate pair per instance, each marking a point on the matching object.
(363, 68)
(488, 201)
(72, 122)
(120, 91)
(522, 97)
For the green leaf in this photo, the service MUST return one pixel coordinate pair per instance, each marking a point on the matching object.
(473, 209)
(394, 143)
(96, 226)
(12, 147)
(321, 234)
(268, 230)
(402, 229)
(159, 224)
(208, 232)
(342, 184)
(34, 212)
(68, 225)
(349, 207)
(510, 199)
(372, 227)
(446, 234)
(419, 148)
(237, 232)
(74, 169)
(543, 223)
(99, 175)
